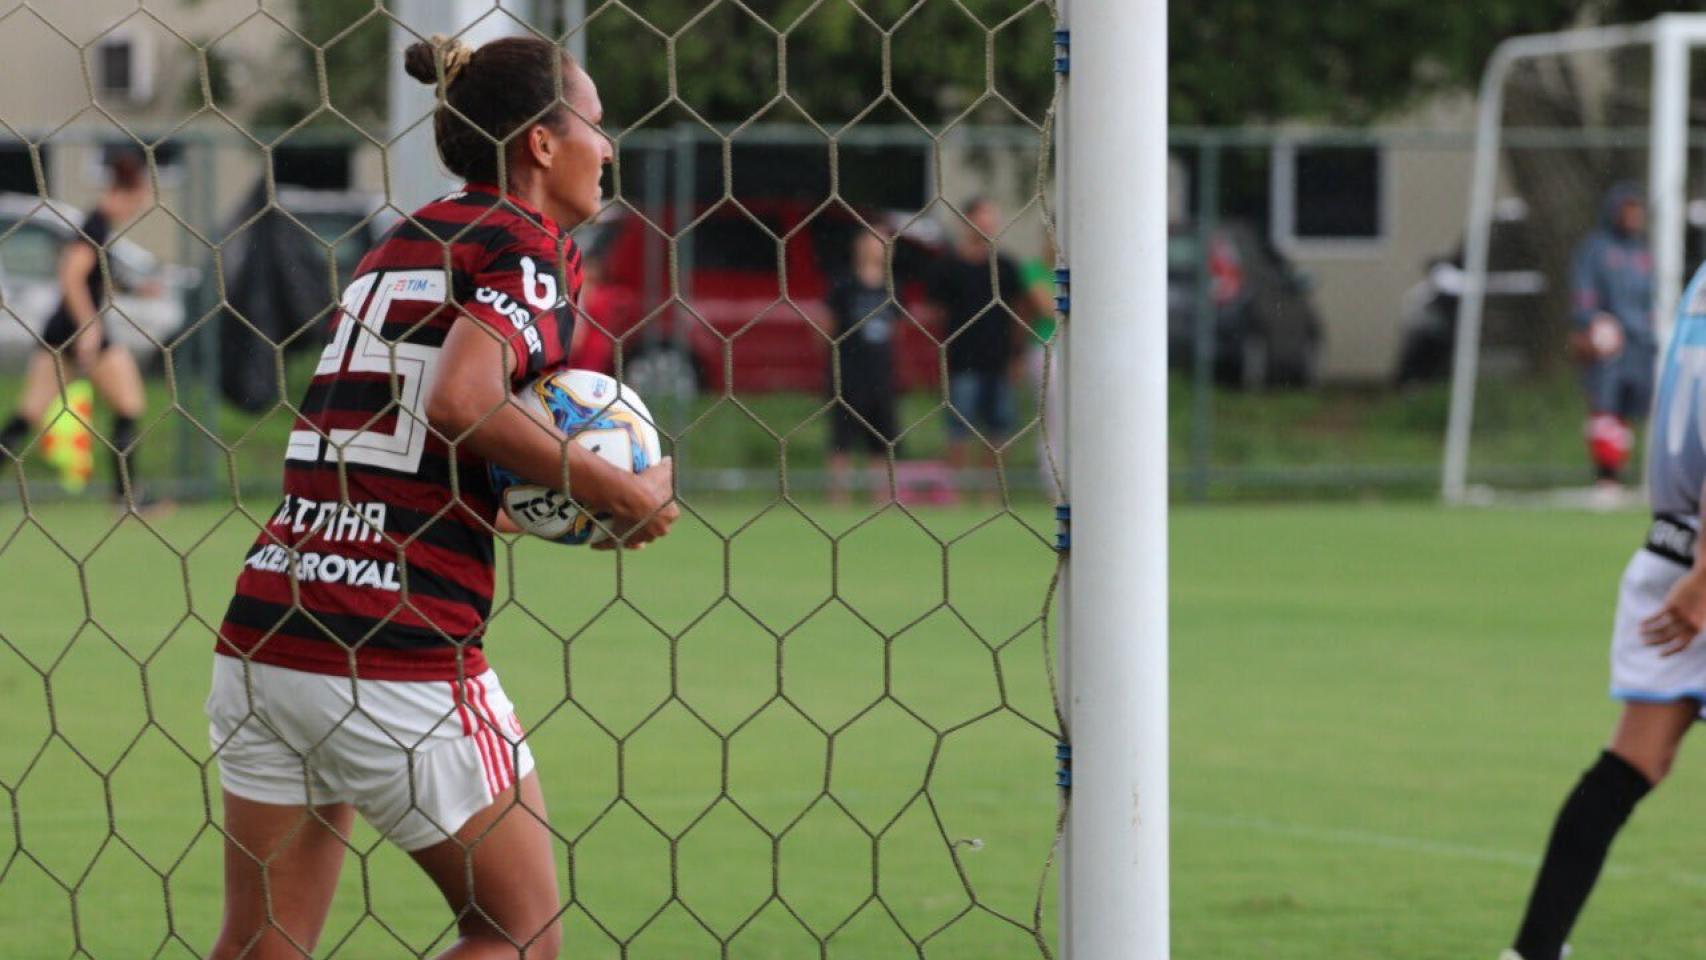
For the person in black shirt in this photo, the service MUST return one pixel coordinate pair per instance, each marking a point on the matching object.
(77, 330)
(978, 293)
(865, 328)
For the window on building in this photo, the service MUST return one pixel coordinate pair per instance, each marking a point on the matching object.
(318, 167)
(731, 241)
(17, 174)
(123, 67)
(1330, 195)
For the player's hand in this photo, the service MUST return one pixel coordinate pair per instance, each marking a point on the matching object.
(86, 349)
(1605, 336)
(1674, 628)
(647, 512)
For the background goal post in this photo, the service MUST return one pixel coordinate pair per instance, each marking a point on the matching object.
(1671, 40)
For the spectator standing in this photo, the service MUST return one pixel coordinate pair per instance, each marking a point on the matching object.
(1041, 369)
(981, 300)
(1612, 291)
(861, 377)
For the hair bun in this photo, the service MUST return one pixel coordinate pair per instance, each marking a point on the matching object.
(420, 59)
(418, 62)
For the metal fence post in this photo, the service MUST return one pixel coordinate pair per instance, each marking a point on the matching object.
(1203, 321)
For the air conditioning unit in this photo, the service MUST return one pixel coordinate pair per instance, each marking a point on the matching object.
(124, 67)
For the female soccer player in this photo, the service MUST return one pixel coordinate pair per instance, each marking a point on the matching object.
(350, 675)
(77, 331)
(1658, 663)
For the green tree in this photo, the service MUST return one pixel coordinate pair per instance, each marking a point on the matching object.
(1350, 61)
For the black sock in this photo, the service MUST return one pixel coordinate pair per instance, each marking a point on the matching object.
(12, 438)
(1593, 813)
(124, 454)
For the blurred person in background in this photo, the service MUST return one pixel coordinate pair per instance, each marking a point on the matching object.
(1037, 276)
(981, 299)
(78, 332)
(1613, 336)
(861, 378)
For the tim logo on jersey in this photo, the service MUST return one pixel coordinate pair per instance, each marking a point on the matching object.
(539, 288)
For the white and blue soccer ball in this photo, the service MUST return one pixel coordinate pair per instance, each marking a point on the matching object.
(601, 415)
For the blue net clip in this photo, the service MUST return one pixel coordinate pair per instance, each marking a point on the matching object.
(1063, 765)
(1063, 52)
(1063, 290)
(1063, 527)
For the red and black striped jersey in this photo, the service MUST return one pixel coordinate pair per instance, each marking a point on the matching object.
(379, 561)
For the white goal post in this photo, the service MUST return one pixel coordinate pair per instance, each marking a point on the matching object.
(1114, 594)
(1672, 38)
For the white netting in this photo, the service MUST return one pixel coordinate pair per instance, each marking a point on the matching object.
(797, 727)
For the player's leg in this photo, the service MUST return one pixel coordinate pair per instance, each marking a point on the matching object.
(41, 381)
(284, 825)
(281, 869)
(997, 417)
(962, 411)
(1609, 439)
(499, 877)
(118, 380)
(881, 444)
(1642, 749)
(841, 437)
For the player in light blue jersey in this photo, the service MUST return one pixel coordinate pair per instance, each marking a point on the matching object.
(1658, 664)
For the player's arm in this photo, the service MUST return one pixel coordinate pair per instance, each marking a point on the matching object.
(1587, 307)
(1683, 617)
(76, 262)
(470, 402)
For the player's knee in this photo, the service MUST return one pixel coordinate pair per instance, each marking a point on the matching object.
(263, 944)
(1653, 763)
(548, 944)
(540, 939)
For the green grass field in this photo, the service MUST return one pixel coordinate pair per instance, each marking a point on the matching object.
(1376, 712)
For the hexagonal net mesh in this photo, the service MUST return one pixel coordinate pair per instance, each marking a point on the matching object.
(816, 719)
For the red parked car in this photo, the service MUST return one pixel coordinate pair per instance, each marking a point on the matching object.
(736, 324)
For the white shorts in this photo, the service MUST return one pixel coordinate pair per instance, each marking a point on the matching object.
(416, 758)
(1638, 673)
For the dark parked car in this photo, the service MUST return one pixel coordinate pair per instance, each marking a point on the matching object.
(1515, 299)
(1266, 329)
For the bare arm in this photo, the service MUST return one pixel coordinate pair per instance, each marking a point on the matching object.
(469, 403)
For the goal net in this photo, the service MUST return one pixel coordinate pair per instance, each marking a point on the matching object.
(1577, 130)
(817, 720)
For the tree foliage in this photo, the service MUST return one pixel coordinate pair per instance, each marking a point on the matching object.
(828, 58)
(1349, 61)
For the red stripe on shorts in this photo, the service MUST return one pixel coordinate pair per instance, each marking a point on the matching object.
(471, 728)
(504, 751)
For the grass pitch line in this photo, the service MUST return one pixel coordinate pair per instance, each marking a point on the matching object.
(1408, 844)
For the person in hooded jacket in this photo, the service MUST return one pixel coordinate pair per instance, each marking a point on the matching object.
(1613, 329)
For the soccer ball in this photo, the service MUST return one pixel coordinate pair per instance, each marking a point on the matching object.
(601, 415)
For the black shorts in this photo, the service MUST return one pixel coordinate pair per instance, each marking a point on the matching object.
(61, 330)
(876, 409)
